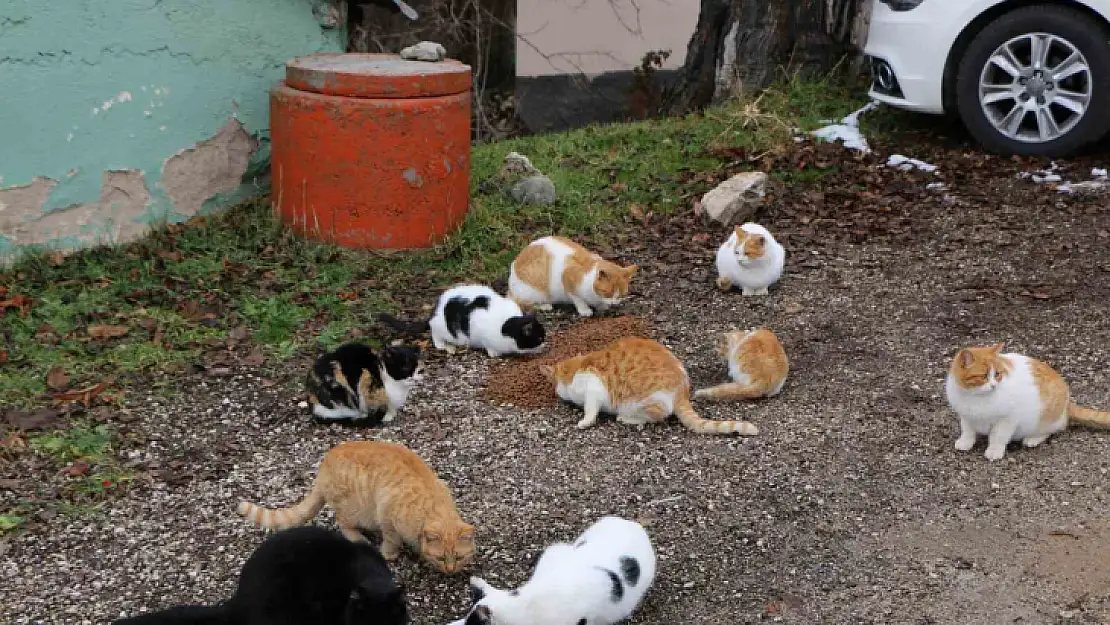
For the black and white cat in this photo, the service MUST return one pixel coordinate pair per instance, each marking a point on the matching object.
(599, 580)
(358, 385)
(476, 316)
(297, 576)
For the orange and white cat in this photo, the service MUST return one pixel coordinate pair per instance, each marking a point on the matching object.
(640, 381)
(750, 259)
(377, 485)
(1010, 397)
(757, 364)
(556, 270)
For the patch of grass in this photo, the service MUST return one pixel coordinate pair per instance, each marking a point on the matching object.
(184, 290)
(88, 443)
(10, 523)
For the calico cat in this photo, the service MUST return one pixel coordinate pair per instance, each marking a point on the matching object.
(355, 384)
(301, 575)
(638, 379)
(599, 580)
(750, 259)
(476, 316)
(757, 364)
(377, 485)
(555, 270)
(1010, 397)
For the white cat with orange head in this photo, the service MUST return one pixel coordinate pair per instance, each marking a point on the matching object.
(751, 259)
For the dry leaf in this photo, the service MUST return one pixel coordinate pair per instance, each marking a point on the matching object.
(107, 331)
(19, 302)
(37, 420)
(57, 258)
(793, 308)
(57, 378)
(77, 469)
(266, 382)
(240, 333)
(84, 395)
(255, 357)
(700, 239)
(7, 484)
(619, 187)
(348, 296)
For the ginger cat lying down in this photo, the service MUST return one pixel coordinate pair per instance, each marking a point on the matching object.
(757, 364)
(640, 381)
(1010, 397)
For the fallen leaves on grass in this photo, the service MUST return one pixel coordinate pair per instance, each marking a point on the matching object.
(104, 332)
(240, 333)
(76, 469)
(21, 303)
(255, 357)
(348, 295)
(57, 378)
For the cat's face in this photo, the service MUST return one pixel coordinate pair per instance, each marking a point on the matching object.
(612, 283)
(370, 603)
(979, 369)
(749, 246)
(450, 548)
(526, 330)
(402, 363)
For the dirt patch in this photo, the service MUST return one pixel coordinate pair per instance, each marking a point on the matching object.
(521, 383)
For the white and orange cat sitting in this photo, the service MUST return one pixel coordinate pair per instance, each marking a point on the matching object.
(556, 270)
(1010, 397)
(637, 379)
(757, 364)
(750, 259)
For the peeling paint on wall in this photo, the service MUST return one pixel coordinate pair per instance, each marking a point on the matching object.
(214, 166)
(128, 111)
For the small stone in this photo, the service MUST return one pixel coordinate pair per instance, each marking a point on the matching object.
(425, 51)
(737, 199)
(537, 189)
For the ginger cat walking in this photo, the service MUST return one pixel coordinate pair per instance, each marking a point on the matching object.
(377, 485)
(640, 381)
(1010, 397)
(556, 270)
(757, 364)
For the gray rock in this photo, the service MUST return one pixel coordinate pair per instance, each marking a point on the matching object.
(425, 51)
(535, 189)
(737, 199)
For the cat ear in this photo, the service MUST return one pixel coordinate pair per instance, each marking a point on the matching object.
(477, 590)
(631, 269)
(548, 371)
(997, 348)
(965, 358)
(739, 232)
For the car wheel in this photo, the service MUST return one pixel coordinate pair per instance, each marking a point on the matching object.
(1036, 82)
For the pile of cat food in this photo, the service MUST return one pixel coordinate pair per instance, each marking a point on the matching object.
(519, 381)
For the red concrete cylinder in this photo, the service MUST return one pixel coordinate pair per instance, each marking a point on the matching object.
(371, 151)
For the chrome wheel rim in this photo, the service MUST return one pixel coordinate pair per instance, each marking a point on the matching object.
(1035, 87)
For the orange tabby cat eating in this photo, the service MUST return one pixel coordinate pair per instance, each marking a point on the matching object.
(1010, 397)
(757, 364)
(555, 270)
(384, 486)
(640, 381)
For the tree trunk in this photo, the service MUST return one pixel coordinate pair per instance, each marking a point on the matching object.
(740, 44)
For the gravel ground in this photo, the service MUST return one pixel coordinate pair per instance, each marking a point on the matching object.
(851, 505)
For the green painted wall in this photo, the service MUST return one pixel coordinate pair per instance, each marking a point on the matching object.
(95, 86)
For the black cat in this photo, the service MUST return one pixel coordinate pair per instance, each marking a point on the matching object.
(301, 576)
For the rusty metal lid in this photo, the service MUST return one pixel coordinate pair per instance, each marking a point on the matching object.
(376, 76)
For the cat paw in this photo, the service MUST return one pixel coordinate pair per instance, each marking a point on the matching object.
(747, 292)
(762, 291)
(588, 312)
(994, 453)
(450, 349)
(493, 354)
(724, 284)
(390, 551)
(389, 416)
(965, 443)
(1033, 441)
(585, 423)
(544, 307)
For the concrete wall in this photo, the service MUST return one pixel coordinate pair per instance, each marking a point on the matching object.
(575, 57)
(116, 115)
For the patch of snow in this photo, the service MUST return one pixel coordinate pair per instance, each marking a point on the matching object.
(906, 163)
(1098, 172)
(936, 186)
(847, 131)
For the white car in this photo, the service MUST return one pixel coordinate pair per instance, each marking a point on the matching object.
(1025, 78)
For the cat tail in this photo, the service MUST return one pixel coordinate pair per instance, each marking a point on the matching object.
(729, 390)
(1095, 419)
(690, 418)
(411, 328)
(282, 518)
(181, 615)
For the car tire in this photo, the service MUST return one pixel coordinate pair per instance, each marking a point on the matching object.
(1078, 30)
